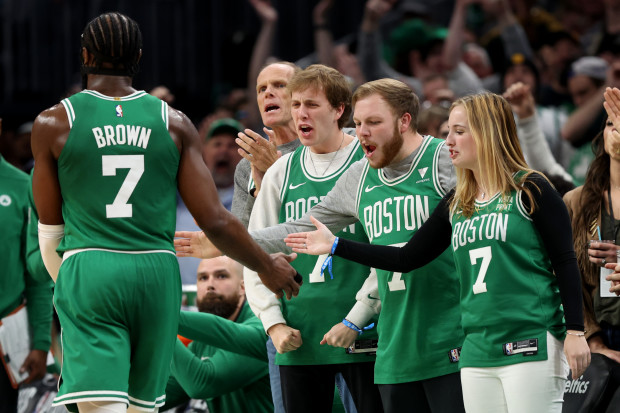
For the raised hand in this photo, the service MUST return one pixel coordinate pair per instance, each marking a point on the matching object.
(265, 10)
(520, 97)
(612, 106)
(320, 11)
(314, 243)
(374, 12)
(194, 244)
(261, 153)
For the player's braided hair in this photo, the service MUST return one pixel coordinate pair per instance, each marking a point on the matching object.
(116, 39)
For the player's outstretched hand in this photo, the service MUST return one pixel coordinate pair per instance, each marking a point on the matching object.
(282, 277)
(577, 354)
(314, 243)
(285, 338)
(194, 244)
(340, 336)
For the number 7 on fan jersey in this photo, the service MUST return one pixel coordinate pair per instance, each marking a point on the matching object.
(485, 253)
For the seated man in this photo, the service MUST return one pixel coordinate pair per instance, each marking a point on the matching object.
(226, 366)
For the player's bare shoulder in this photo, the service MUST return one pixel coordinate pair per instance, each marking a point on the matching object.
(181, 128)
(51, 129)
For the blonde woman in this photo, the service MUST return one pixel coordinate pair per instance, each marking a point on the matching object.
(511, 238)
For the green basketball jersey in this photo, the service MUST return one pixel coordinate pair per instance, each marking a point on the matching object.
(117, 173)
(419, 329)
(509, 294)
(322, 302)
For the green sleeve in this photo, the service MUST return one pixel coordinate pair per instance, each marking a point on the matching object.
(247, 338)
(219, 374)
(39, 303)
(175, 395)
(39, 285)
(34, 262)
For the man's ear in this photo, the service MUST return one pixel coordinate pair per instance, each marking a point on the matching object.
(88, 58)
(404, 122)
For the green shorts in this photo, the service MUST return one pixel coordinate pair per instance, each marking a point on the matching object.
(119, 317)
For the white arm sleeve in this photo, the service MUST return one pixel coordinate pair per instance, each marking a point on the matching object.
(49, 240)
(536, 149)
(367, 302)
(266, 213)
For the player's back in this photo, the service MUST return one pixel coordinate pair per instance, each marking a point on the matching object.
(117, 173)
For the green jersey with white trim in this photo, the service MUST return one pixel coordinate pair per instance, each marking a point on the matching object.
(322, 301)
(419, 329)
(117, 173)
(509, 293)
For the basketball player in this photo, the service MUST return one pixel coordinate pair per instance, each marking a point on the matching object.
(108, 164)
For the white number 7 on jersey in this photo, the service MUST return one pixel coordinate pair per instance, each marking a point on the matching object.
(485, 253)
(119, 208)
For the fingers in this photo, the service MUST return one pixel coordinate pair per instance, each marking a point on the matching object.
(185, 234)
(270, 133)
(181, 242)
(290, 257)
(291, 289)
(297, 242)
(245, 142)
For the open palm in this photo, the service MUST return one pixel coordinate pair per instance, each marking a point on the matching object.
(314, 243)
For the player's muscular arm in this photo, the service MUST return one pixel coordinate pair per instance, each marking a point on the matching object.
(223, 229)
(49, 133)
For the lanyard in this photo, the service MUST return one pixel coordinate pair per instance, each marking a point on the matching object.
(611, 214)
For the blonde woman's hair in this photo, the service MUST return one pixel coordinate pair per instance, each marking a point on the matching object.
(493, 129)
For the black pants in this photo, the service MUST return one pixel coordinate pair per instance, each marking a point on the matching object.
(8, 395)
(310, 388)
(436, 395)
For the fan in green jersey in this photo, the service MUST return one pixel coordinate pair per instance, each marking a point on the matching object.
(510, 235)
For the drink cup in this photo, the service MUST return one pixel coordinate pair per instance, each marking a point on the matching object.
(593, 243)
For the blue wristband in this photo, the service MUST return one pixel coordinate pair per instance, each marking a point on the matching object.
(329, 260)
(356, 328)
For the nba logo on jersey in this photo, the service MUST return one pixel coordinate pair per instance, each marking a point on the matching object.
(455, 355)
(119, 111)
(508, 348)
